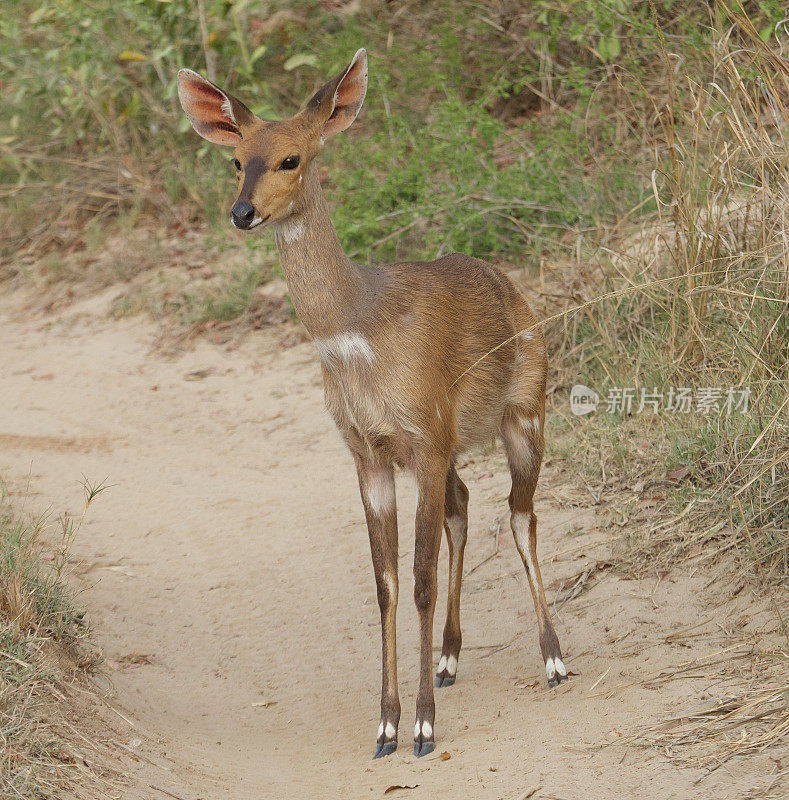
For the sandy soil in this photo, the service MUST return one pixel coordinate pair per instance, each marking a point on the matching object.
(228, 579)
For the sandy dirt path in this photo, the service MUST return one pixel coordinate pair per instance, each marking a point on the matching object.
(231, 552)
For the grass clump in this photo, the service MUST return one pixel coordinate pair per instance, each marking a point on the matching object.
(696, 296)
(41, 630)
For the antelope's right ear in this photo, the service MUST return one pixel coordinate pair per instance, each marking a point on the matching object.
(214, 114)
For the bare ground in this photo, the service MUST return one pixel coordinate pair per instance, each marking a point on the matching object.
(227, 576)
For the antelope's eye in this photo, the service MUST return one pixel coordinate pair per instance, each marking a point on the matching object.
(291, 162)
(237, 164)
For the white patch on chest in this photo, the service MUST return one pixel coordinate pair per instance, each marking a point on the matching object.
(345, 347)
(289, 230)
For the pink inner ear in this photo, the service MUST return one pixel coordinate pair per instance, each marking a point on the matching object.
(200, 98)
(208, 110)
(348, 98)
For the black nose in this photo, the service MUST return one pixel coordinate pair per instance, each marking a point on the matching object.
(242, 214)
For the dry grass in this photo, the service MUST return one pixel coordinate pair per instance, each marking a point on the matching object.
(695, 295)
(44, 654)
(740, 721)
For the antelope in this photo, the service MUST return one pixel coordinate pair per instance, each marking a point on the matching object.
(421, 361)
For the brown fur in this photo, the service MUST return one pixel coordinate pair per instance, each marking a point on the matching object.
(421, 361)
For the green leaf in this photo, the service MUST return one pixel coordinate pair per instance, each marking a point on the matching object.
(132, 55)
(299, 60)
(608, 47)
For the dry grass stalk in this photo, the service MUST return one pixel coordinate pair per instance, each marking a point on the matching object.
(733, 724)
(702, 287)
(42, 653)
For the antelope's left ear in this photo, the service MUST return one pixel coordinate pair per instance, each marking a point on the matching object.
(215, 114)
(337, 103)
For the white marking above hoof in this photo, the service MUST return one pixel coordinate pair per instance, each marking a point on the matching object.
(452, 666)
(442, 662)
(426, 730)
(560, 668)
(550, 669)
(388, 729)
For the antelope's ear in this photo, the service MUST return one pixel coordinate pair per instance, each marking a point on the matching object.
(337, 103)
(214, 114)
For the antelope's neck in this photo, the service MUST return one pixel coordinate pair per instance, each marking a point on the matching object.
(328, 290)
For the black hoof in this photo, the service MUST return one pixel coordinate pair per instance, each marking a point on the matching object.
(385, 749)
(553, 684)
(443, 679)
(423, 748)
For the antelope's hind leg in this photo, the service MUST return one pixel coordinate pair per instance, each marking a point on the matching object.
(456, 526)
(431, 476)
(376, 482)
(523, 440)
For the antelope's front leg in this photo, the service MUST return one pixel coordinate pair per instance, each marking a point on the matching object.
(431, 479)
(376, 482)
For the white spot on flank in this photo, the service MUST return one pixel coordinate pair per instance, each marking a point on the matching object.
(452, 665)
(560, 668)
(442, 662)
(345, 347)
(390, 730)
(438, 411)
(528, 335)
(289, 230)
(380, 492)
(550, 669)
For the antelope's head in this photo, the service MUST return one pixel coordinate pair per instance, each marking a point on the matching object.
(271, 158)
